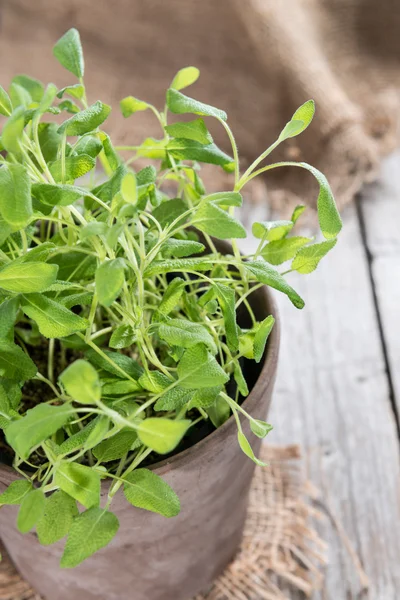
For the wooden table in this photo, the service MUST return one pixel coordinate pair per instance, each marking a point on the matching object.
(338, 390)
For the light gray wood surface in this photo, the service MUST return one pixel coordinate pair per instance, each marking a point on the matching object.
(338, 379)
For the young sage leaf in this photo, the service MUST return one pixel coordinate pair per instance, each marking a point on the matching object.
(38, 424)
(32, 507)
(185, 77)
(27, 277)
(307, 259)
(180, 104)
(58, 515)
(145, 489)
(16, 492)
(89, 532)
(68, 51)
(79, 482)
(81, 382)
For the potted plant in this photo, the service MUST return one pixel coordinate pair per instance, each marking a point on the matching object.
(137, 351)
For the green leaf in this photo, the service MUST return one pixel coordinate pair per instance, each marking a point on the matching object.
(191, 130)
(98, 432)
(52, 318)
(5, 103)
(15, 195)
(31, 510)
(90, 531)
(307, 259)
(12, 131)
(38, 424)
(224, 199)
(169, 210)
(264, 273)
(172, 295)
(184, 149)
(260, 428)
(76, 441)
(90, 145)
(240, 380)
(247, 449)
(279, 251)
(19, 96)
(68, 51)
(298, 211)
(116, 446)
(291, 129)
(57, 518)
(80, 482)
(174, 399)
(130, 105)
(180, 104)
(185, 77)
(145, 489)
(14, 363)
(8, 314)
(328, 214)
(178, 265)
(199, 369)
(261, 337)
(213, 220)
(271, 230)
(122, 337)
(152, 148)
(183, 333)
(86, 120)
(204, 398)
(109, 280)
(33, 86)
(94, 228)
(27, 277)
(49, 140)
(181, 248)
(154, 381)
(15, 492)
(226, 299)
(81, 382)
(129, 188)
(219, 412)
(75, 167)
(299, 121)
(162, 435)
(115, 363)
(116, 387)
(76, 91)
(69, 106)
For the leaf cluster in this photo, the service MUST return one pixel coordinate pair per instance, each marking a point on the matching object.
(118, 314)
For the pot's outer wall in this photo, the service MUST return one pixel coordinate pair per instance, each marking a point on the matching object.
(151, 557)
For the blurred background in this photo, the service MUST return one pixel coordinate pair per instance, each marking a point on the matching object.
(338, 390)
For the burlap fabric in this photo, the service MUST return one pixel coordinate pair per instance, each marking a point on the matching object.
(259, 59)
(280, 550)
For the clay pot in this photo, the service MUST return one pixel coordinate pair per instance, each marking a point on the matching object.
(151, 557)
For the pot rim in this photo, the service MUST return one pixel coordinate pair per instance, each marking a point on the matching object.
(266, 374)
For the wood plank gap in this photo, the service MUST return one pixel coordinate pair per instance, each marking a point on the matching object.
(370, 258)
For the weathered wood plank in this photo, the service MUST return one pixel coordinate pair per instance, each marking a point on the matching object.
(380, 209)
(332, 397)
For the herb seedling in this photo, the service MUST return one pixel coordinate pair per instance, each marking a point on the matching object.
(118, 327)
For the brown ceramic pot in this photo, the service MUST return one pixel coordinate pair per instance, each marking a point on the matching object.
(151, 557)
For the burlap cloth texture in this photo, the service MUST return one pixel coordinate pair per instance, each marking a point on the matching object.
(259, 59)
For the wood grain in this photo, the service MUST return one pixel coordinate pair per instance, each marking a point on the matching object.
(380, 211)
(333, 398)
